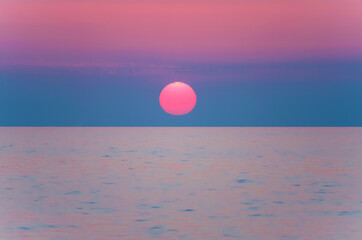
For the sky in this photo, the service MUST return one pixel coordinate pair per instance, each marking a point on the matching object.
(251, 63)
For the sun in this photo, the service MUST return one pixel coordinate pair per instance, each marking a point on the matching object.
(177, 98)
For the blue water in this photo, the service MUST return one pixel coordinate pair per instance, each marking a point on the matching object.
(180, 183)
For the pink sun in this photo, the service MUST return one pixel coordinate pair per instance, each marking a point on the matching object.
(177, 98)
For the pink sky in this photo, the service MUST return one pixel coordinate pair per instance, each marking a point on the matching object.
(226, 31)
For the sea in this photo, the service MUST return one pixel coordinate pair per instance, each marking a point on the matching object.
(195, 183)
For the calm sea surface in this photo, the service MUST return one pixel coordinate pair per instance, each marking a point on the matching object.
(180, 183)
